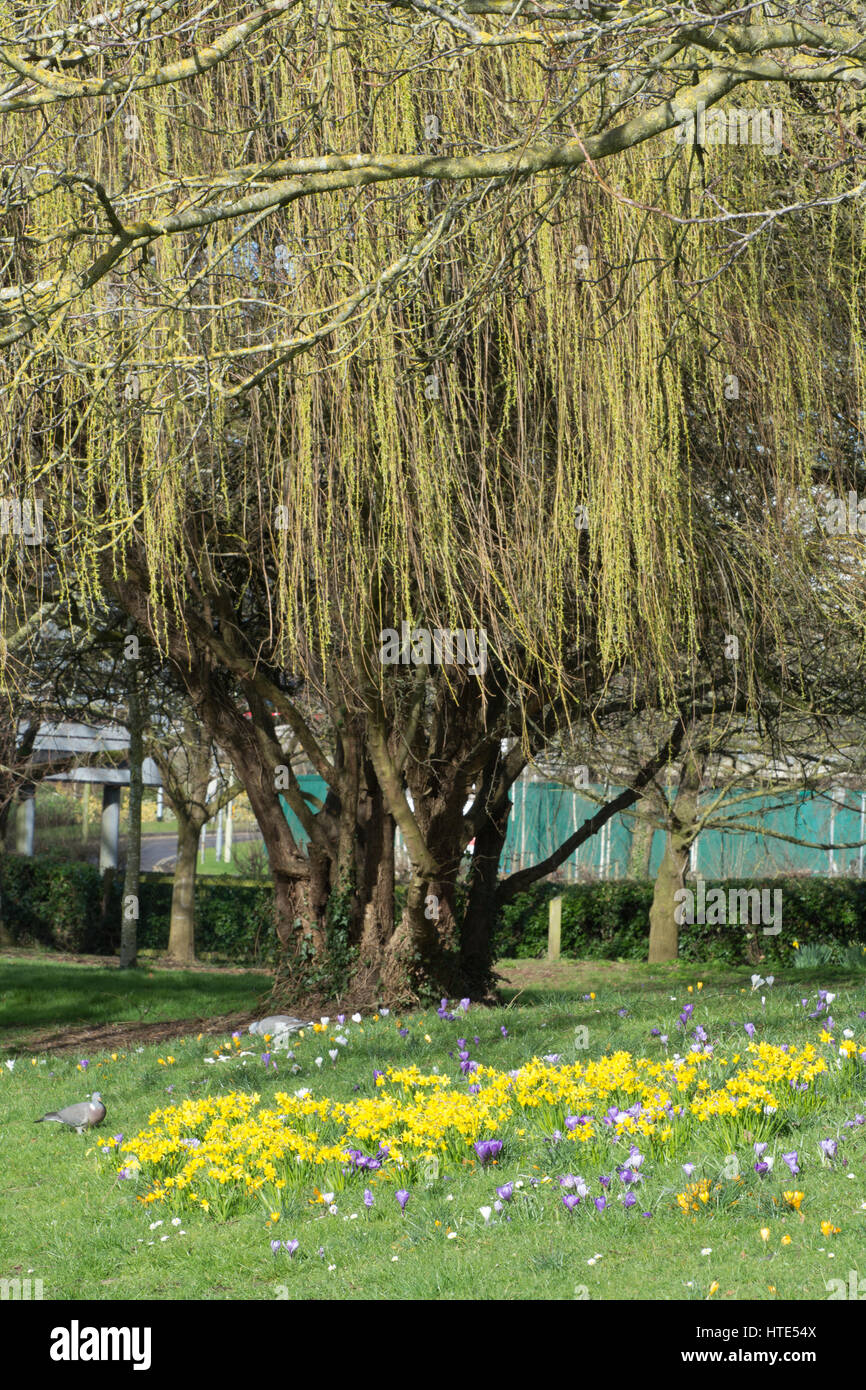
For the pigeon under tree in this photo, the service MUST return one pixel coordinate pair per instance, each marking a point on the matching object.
(278, 1023)
(79, 1117)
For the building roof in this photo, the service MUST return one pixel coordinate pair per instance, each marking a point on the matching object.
(71, 740)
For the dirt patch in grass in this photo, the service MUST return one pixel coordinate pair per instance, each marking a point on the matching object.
(108, 1037)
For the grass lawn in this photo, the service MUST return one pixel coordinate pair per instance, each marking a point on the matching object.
(37, 993)
(72, 1220)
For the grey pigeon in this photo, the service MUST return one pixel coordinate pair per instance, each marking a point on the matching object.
(79, 1117)
(278, 1023)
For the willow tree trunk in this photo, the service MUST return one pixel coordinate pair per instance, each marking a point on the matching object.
(181, 931)
(482, 910)
(132, 879)
(642, 835)
(664, 928)
(422, 961)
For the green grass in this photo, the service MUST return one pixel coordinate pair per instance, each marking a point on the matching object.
(245, 854)
(45, 993)
(79, 1228)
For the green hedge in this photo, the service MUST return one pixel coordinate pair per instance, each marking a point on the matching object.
(611, 920)
(59, 905)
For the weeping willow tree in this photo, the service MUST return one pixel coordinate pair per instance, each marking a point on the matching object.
(319, 324)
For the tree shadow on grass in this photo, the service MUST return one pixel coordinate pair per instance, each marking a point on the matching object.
(35, 995)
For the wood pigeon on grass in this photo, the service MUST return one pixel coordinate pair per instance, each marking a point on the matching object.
(80, 1117)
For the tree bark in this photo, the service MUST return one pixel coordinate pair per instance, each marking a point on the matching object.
(664, 930)
(480, 916)
(181, 932)
(642, 835)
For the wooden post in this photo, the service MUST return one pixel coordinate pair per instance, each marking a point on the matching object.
(554, 929)
(85, 812)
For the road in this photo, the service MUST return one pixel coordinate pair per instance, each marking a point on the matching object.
(158, 852)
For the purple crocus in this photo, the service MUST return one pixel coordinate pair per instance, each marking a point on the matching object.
(503, 1030)
(655, 1032)
(791, 1160)
(572, 1121)
(464, 1005)
(275, 1245)
(604, 1180)
(84, 1064)
(570, 1201)
(402, 1197)
(629, 1200)
(506, 1191)
(828, 1147)
(600, 1203)
(750, 1029)
(488, 1149)
(341, 1019)
(762, 1168)
(368, 1197)
(291, 1246)
(266, 1057)
(759, 1149)
(404, 1032)
(689, 1168)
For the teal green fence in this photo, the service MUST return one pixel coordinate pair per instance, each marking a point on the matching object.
(761, 836)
